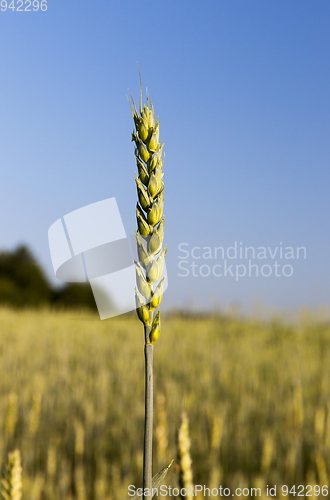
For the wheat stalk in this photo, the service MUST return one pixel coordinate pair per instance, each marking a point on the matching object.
(151, 255)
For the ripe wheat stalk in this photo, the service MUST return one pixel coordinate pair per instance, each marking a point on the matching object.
(12, 482)
(151, 254)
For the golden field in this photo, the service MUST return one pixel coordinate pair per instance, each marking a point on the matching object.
(257, 394)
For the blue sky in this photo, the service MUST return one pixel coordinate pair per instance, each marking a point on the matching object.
(242, 91)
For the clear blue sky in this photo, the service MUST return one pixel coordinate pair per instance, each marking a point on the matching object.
(242, 91)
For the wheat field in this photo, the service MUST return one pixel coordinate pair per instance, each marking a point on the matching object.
(257, 395)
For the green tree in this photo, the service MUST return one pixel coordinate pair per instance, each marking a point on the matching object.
(22, 281)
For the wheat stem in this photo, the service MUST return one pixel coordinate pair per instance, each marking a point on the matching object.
(148, 422)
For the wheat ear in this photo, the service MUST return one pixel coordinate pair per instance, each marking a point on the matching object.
(12, 482)
(151, 255)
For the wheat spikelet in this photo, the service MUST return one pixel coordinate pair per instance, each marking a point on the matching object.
(35, 414)
(216, 432)
(267, 453)
(291, 462)
(298, 407)
(161, 429)
(100, 485)
(12, 483)
(217, 427)
(184, 458)
(79, 468)
(64, 482)
(266, 459)
(12, 412)
(294, 455)
(51, 462)
(215, 476)
(37, 487)
(51, 472)
(259, 482)
(311, 480)
(321, 469)
(80, 482)
(327, 429)
(79, 438)
(319, 424)
(149, 215)
(115, 473)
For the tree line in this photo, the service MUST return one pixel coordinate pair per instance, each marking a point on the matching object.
(23, 283)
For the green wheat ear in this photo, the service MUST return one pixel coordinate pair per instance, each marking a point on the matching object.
(12, 482)
(149, 215)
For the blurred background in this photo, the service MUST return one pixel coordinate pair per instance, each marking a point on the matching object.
(241, 89)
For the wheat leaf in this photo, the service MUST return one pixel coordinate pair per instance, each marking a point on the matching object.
(157, 479)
